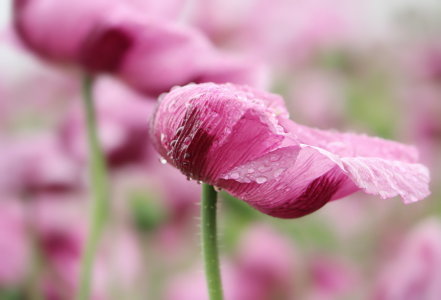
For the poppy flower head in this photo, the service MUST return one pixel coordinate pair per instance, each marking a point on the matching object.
(241, 139)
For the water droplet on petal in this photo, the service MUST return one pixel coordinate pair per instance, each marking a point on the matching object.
(274, 157)
(217, 189)
(250, 170)
(187, 141)
(199, 182)
(162, 160)
(278, 172)
(261, 179)
(234, 175)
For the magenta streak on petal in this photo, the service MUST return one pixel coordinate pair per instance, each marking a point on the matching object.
(105, 49)
(318, 193)
(197, 148)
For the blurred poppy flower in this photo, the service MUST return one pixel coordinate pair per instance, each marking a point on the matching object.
(262, 269)
(150, 53)
(414, 272)
(241, 139)
(36, 164)
(60, 228)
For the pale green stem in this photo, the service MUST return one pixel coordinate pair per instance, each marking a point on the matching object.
(209, 242)
(99, 188)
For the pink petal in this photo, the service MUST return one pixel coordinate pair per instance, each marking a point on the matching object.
(188, 129)
(389, 178)
(241, 140)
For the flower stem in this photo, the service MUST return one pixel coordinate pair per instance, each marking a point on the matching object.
(209, 242)
(99, 187)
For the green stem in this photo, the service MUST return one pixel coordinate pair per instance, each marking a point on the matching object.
(209, 242)
(99, 187)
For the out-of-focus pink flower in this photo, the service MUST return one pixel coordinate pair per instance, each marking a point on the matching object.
(59, 31)
(14, 246)
(283, 31)
(242, 140)
(263, 269)
(266, 264)
(36, 164)
(330, 279)
(165, 54)
(150, 53)
(122, 116)
(415, 272)
(61, 227)
(423, 61)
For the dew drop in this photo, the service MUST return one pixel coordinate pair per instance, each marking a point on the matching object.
(234, 175)
(274, 157)
(199, 182)
(162, 160)
(261, 179)
(261, 169)
(178, 131)
(250, 170)
(217, 189)
(187, 141)
(278, 172)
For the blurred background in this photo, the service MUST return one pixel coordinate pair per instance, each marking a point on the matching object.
(362, 66)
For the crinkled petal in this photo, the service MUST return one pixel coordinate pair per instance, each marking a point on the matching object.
(351, 144)
(302, 182)
(294, 181)
(241, 140)
(208, 129)
(388, 178)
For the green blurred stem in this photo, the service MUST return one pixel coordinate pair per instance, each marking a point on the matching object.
(99, 187)
(209, 242)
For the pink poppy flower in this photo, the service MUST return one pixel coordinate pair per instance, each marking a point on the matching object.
(330, 278)
(282, 31)
(58, 31)
(415, 271)
(163, 54)
(265, 263)
(241, 139)
(61, 228)
(262, 269)
(148, 52)
(36, 164)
